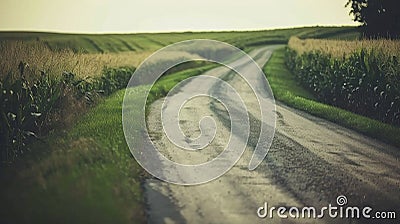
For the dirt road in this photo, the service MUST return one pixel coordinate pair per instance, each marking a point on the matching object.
(311, 162)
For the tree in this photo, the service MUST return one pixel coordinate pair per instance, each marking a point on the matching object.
(379, 18)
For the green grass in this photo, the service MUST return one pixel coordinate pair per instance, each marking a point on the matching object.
(87, 175)
(95, 43)
(287, 90)
(166, 83)
(283, 83)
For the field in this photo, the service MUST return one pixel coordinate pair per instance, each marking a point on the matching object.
(344, 48)
(87, 55)
(60, 71)
(286, 89)
(85, 175)
(152, 41)
(361, 76)
(41, 58)
(87, 166)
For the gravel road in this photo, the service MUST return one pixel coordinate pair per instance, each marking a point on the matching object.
(311, 162)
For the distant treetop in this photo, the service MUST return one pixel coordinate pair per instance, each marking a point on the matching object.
(380, 18)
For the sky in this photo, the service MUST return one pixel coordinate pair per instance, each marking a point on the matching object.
(132, 16)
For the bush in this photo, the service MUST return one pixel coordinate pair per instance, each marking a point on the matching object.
(114, 79)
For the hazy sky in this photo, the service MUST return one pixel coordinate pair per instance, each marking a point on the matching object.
(168, 15)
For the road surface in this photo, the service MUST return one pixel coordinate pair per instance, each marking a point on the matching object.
(311, 162)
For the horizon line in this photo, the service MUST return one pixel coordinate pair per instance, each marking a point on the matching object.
(165, 32)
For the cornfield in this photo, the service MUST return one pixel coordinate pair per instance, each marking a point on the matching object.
(40, 58)
(360, 76)
(344, 48)
(40, 89)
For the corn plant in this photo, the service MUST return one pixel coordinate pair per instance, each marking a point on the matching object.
(27, 104)
(24, 105)
(364, 82)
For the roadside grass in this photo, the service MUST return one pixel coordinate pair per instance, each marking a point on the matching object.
(361, 76)
(84, 175)
(284, 84)
(167, 82)
(287, 90)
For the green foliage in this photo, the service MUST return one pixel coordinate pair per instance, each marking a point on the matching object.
(365, 82)
(85, 175)
(380, 18)
(27, 104)
(283, 83)
(24, 107)
(286, 89)
(168, 81)
(114, 79)
(91, 168)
